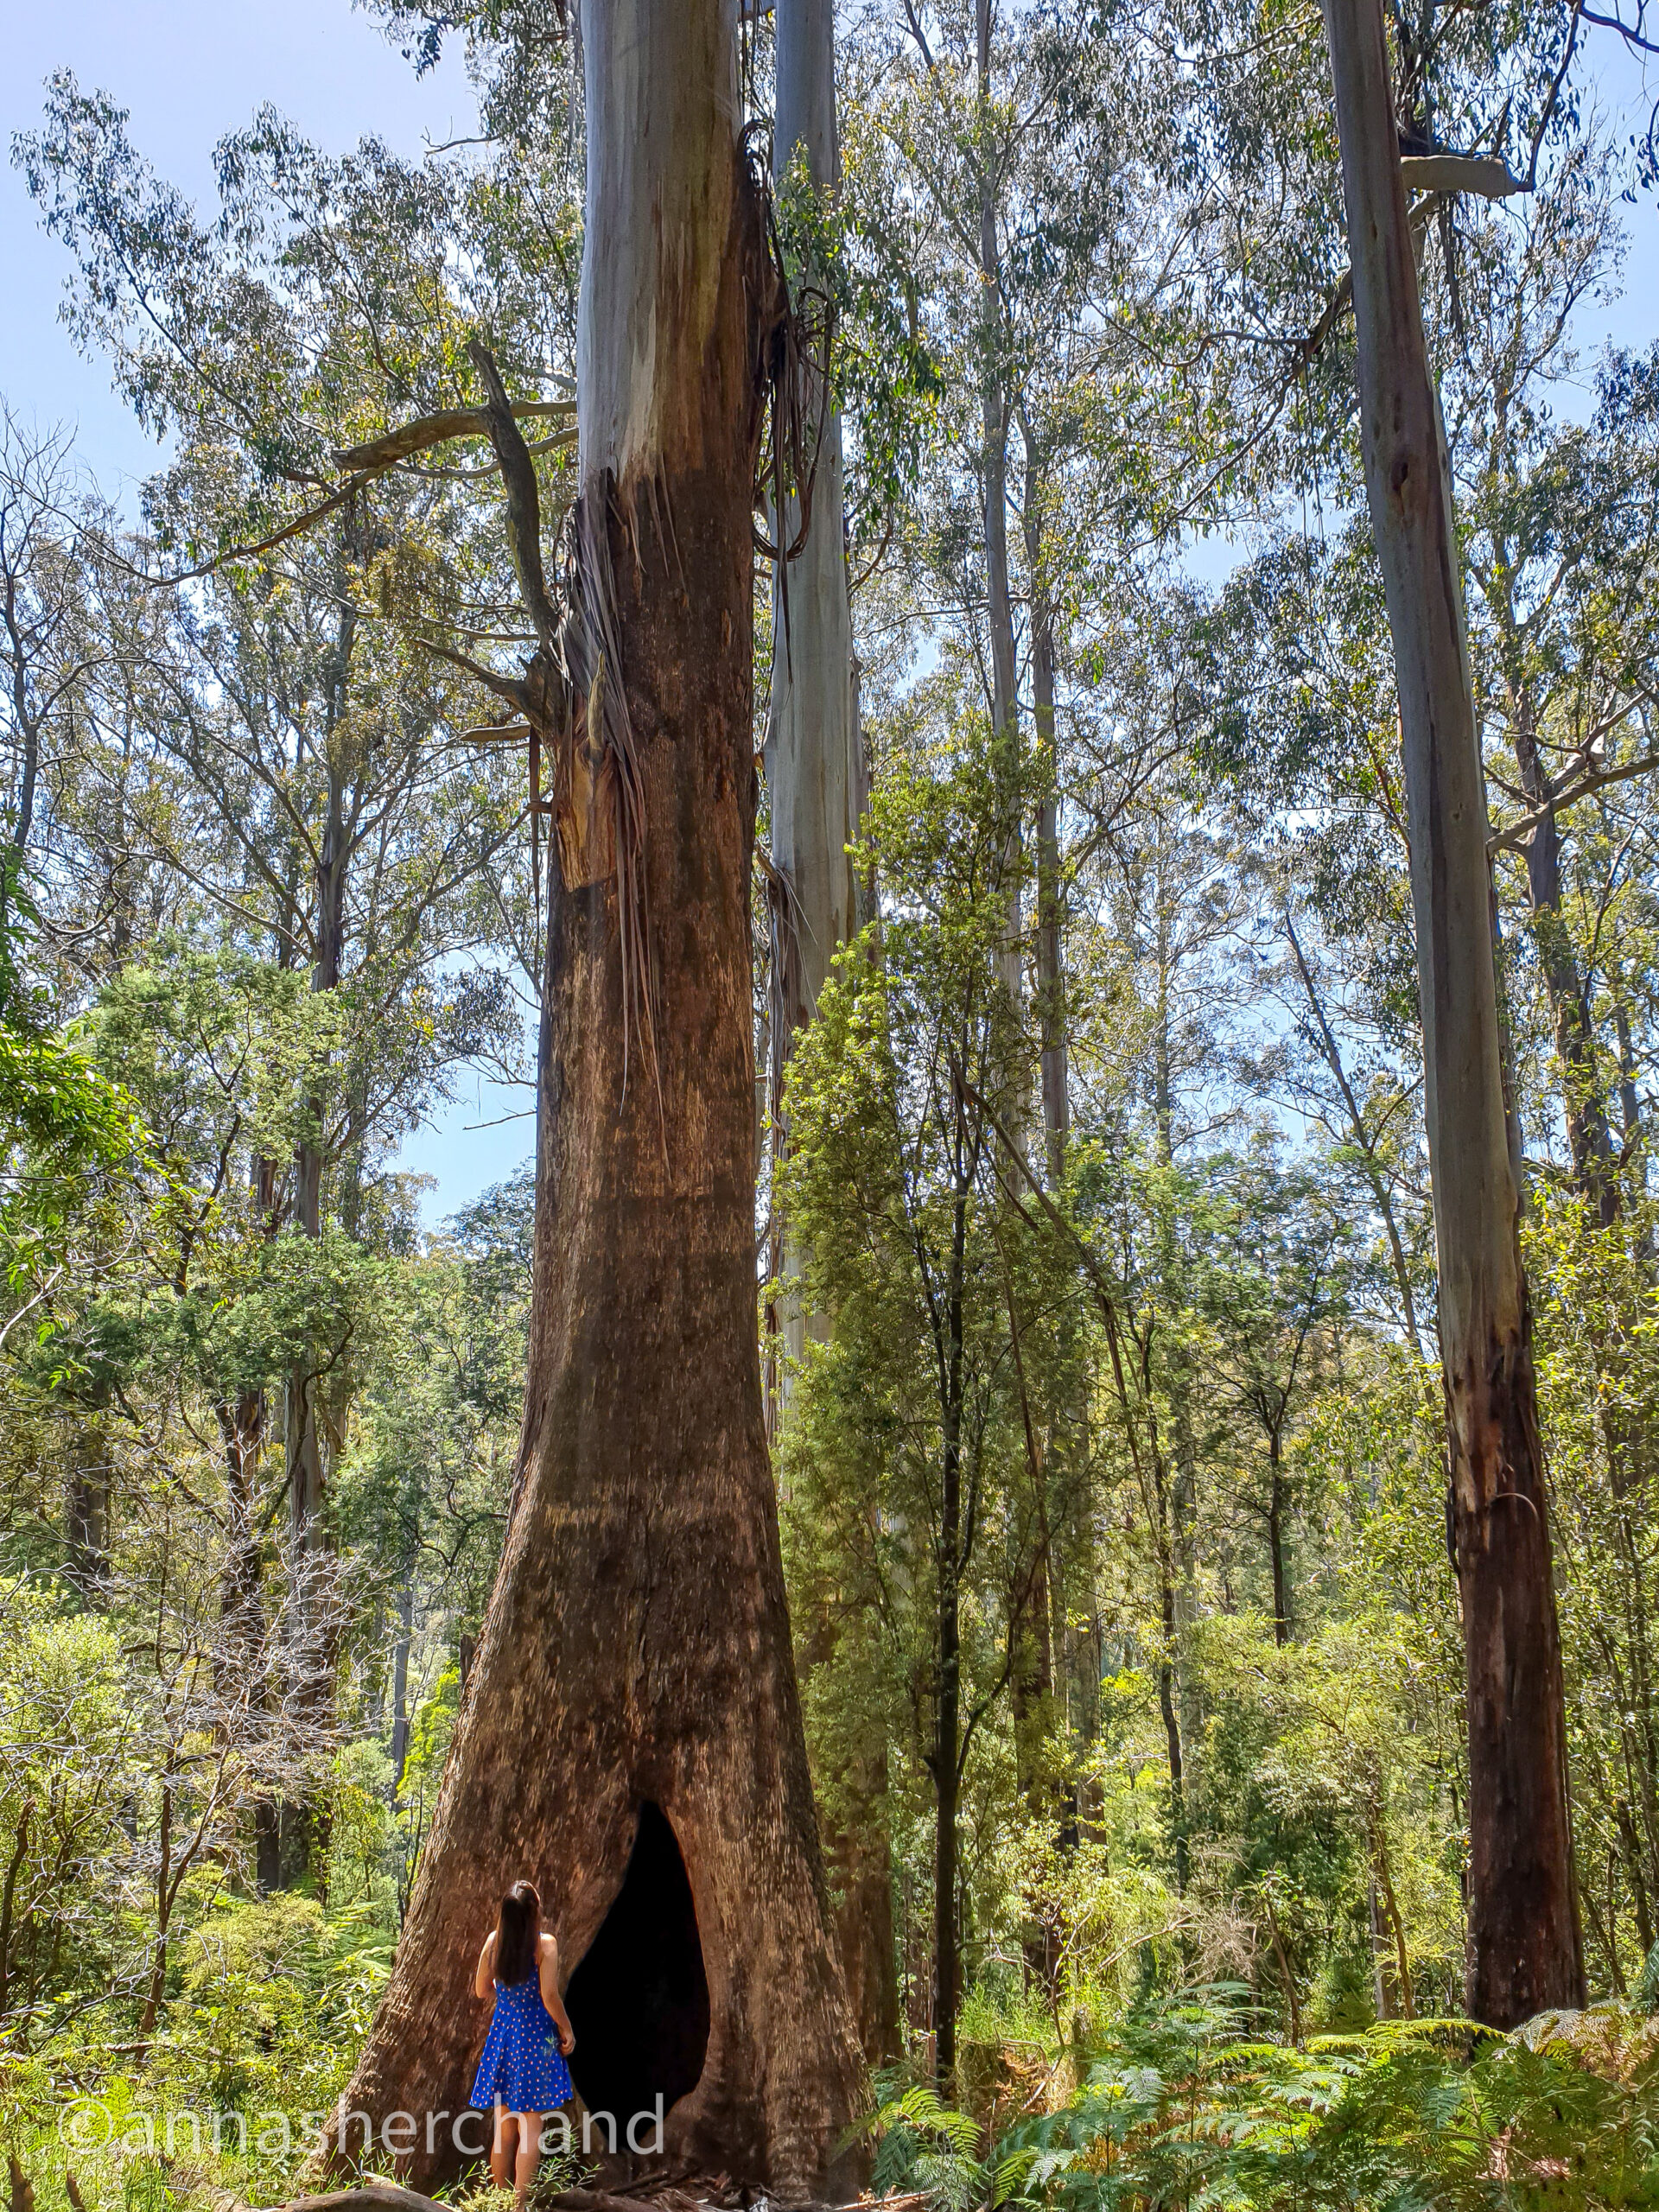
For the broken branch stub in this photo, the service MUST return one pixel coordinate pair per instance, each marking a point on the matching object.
(1484, 174)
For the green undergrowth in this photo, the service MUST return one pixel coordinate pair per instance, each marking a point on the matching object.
(1182, 2107)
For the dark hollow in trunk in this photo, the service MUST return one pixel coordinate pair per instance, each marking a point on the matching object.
(638, 2001)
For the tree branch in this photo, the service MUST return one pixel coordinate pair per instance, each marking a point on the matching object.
(524, 505)
(438, 430)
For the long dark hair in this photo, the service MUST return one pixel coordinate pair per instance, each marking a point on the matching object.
(516, 1933)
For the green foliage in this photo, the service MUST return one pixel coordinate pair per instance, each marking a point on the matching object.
(1181, 2104)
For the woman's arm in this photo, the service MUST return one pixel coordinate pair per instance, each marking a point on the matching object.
(552, 1998)
(484, 1980)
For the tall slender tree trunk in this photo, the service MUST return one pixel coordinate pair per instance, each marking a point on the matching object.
(994, 467)
(303, 1823)
(88, 1508)
(1159, 1507)
(400, 1680)
(1584, 1100)
(817, 796)
(1363, 1139)
(811, 778)
(1276, 1539)
(947, 1738)
(630, 1736)
(1050, 888)
(1168, 1507)
(303, 1432)
(1525, 1948)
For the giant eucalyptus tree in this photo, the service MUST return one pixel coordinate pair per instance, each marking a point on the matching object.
(631, 1734)
(1525, 1950)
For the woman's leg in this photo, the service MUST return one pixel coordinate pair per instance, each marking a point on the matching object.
(530, 2151)
(501, 2147)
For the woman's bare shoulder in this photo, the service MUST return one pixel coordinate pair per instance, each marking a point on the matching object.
(547, 1945)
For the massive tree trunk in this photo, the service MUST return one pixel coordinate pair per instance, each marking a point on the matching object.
(1525, 1949)
(630, 1737)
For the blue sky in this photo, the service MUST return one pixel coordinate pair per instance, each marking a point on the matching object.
(189, 72)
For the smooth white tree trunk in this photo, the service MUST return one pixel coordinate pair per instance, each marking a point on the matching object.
(1525, 1951)
(814, 779)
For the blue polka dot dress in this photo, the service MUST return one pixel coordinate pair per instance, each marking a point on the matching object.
(522, 2067)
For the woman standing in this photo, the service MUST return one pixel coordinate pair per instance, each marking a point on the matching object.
(522, 2071)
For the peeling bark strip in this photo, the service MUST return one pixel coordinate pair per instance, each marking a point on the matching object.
(636, 1653)
(1525, 1950)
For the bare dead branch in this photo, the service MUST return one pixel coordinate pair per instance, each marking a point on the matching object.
(1484, 174)
(523, 503)
(438, 430)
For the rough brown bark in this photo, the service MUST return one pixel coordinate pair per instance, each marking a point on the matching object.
(1525, 1948)
(632, 1710)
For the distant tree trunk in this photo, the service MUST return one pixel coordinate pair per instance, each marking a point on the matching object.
(860, 1864)
(944, 1762)
(1362, 1138)
(1276, 1538)
(87, 1517)
(400, 1680)
(8, 1899)
(303, 1823)
(631, 1736)
(242, 1433)
(1166, 1506)
(1526, 1952)
(1168, 1690)
(993, 469)
(1583, 1102)
(817, 796)
(244, 1422)
(1050, 889)
(301, 1429)
(1030, 1638)
(811, 775)
(1630, 1103)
